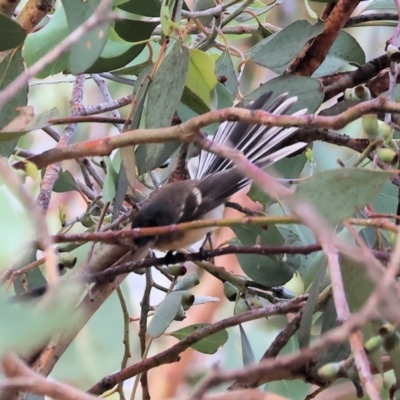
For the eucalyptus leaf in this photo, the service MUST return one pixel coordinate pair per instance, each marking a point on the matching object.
(201, 78)
(208, 345)
(164, 314)
(224, 67)
(276, 52)
(11, 67)
(344, 50)
(337, 194)
(110, 181)
(85, 51)
(147, 8)
(266, 270)
(11, 33)
(39, 43)
(309, 91)
(247, 352)
(164, 95)
(65, 182)
(304, 333)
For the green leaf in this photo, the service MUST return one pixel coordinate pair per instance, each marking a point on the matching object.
(201, 78)
(26, 121)
(201, 5)
(147, 8)
(127, 172)
(165, 314)
(335, 352)
(11, 67)
(65, 182)
(194, 102)
(247, 352)
(11, 33)
(308, 90)
(85, 51)
(276, 52)
(164, 95)
(304, 333)
(337, 194)
(267, 270)
(38, 44)
(117, 52)
(358, 288)
(134, 31)
(133, 69)
(110, 181)
(344, 50)
(209, 345)
(224, 67)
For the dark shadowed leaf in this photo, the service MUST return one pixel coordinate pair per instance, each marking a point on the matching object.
(88, 48)
(209, 345)
(147, 8)
(164, 95)
(165, 314)
(267, 270)
(10, 68)
(337, 194)
(117, 52)
(65, 182)
(194, 102)
(304, 334)
(134, 31)
(11, 33)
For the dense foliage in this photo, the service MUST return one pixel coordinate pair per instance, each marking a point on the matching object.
(299, 287)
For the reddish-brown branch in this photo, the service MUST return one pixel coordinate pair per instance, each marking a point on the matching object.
(189, 131)
(316, 53)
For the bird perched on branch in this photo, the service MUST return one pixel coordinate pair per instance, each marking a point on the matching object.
(204, 195)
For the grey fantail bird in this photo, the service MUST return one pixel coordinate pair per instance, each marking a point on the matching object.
(216, 179)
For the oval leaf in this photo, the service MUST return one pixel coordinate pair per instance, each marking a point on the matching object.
(164, 95)
(201, 79)
(208, 345)
(337, 194)
(85, 51)
(165, 314)
(11, 33)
